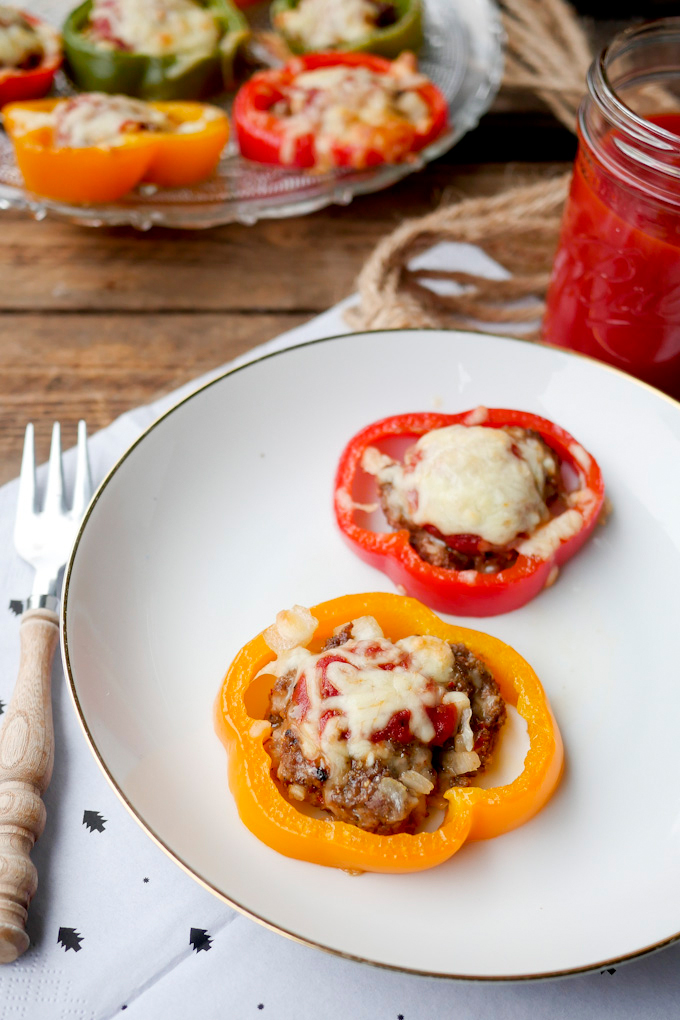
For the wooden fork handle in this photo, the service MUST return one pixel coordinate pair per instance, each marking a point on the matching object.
(26, 760)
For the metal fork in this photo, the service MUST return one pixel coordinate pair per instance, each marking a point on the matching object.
(44, 538)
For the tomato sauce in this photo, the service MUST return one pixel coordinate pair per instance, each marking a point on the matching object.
(615, 288)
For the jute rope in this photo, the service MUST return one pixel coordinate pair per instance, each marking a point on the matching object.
(548, 54)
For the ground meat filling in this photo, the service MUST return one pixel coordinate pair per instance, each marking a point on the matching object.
(471, 677)
(393, 789)
(470, 551)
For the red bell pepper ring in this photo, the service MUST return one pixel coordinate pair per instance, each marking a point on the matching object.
(261, 133)
(468, 592)
(16, 84)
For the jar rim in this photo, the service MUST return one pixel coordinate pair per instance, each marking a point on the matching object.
(605, 94)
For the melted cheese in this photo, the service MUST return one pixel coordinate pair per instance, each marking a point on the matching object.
(325, 24)
(355, 106)
(345, 502)
(547, 539)
(293, 627)
(19, 39)
(342, 725)
(95, 118)
(582, 458)
(477, 416)
(155, 27)
(25, 121)
(468, 480)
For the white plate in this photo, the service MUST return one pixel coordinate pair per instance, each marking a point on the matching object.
(221, 515)
(462, 54)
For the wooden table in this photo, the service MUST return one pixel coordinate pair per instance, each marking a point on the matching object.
(94, 322)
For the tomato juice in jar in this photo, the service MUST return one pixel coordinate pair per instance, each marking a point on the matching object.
(615, 287)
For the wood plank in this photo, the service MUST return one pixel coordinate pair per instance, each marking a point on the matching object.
(300, 265)
(64, 367)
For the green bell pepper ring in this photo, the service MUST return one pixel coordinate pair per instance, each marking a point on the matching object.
(99, 69)
(406, 33)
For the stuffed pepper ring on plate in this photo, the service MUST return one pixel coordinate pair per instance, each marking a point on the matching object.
(374, 712)
(482, 506)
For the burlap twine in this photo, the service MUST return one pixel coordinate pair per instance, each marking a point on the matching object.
(546, 53)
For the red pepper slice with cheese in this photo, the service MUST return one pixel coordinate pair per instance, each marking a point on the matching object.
(261, 131)
(471, 592)
(16, 84)
(472, 813)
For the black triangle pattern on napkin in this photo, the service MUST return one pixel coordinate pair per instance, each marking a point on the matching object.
(94, 820)
(16, 606)
(199, 939)
(69, 938)
(2, 707)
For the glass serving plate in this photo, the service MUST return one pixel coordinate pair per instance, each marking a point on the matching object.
(463, 54)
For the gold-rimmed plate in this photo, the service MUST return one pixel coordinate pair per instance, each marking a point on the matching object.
(221, 515)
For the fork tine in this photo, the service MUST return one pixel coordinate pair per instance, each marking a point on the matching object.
(82, 489)
(54, 494)
(26, 498)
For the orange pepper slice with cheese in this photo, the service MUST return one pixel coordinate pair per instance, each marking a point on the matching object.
(472, 812)
(100, 173)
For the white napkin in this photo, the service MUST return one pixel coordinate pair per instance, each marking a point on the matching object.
(116, 926)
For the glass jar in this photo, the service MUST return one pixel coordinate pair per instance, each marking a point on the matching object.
(615, 288)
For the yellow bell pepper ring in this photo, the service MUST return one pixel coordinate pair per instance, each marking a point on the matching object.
(95, 174)
(189, 157)
(241, 712)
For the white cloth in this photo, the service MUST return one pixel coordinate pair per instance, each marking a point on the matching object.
(125, 912)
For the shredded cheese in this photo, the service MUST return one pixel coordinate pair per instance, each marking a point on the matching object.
(293, 627)
(345, 502)
(155, 27)
(99, 119)
(352, 691)
(355, 106)
(468, 480)
(582, 458)
(547, 539)
(326, 24)
(477, 416)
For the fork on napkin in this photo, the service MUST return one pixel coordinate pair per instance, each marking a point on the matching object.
(44, 539)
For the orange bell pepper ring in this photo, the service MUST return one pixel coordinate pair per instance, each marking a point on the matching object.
(472, 813)
(105, 173)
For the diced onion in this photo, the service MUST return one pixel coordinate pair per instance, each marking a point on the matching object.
(416, 782)
(459, 763)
